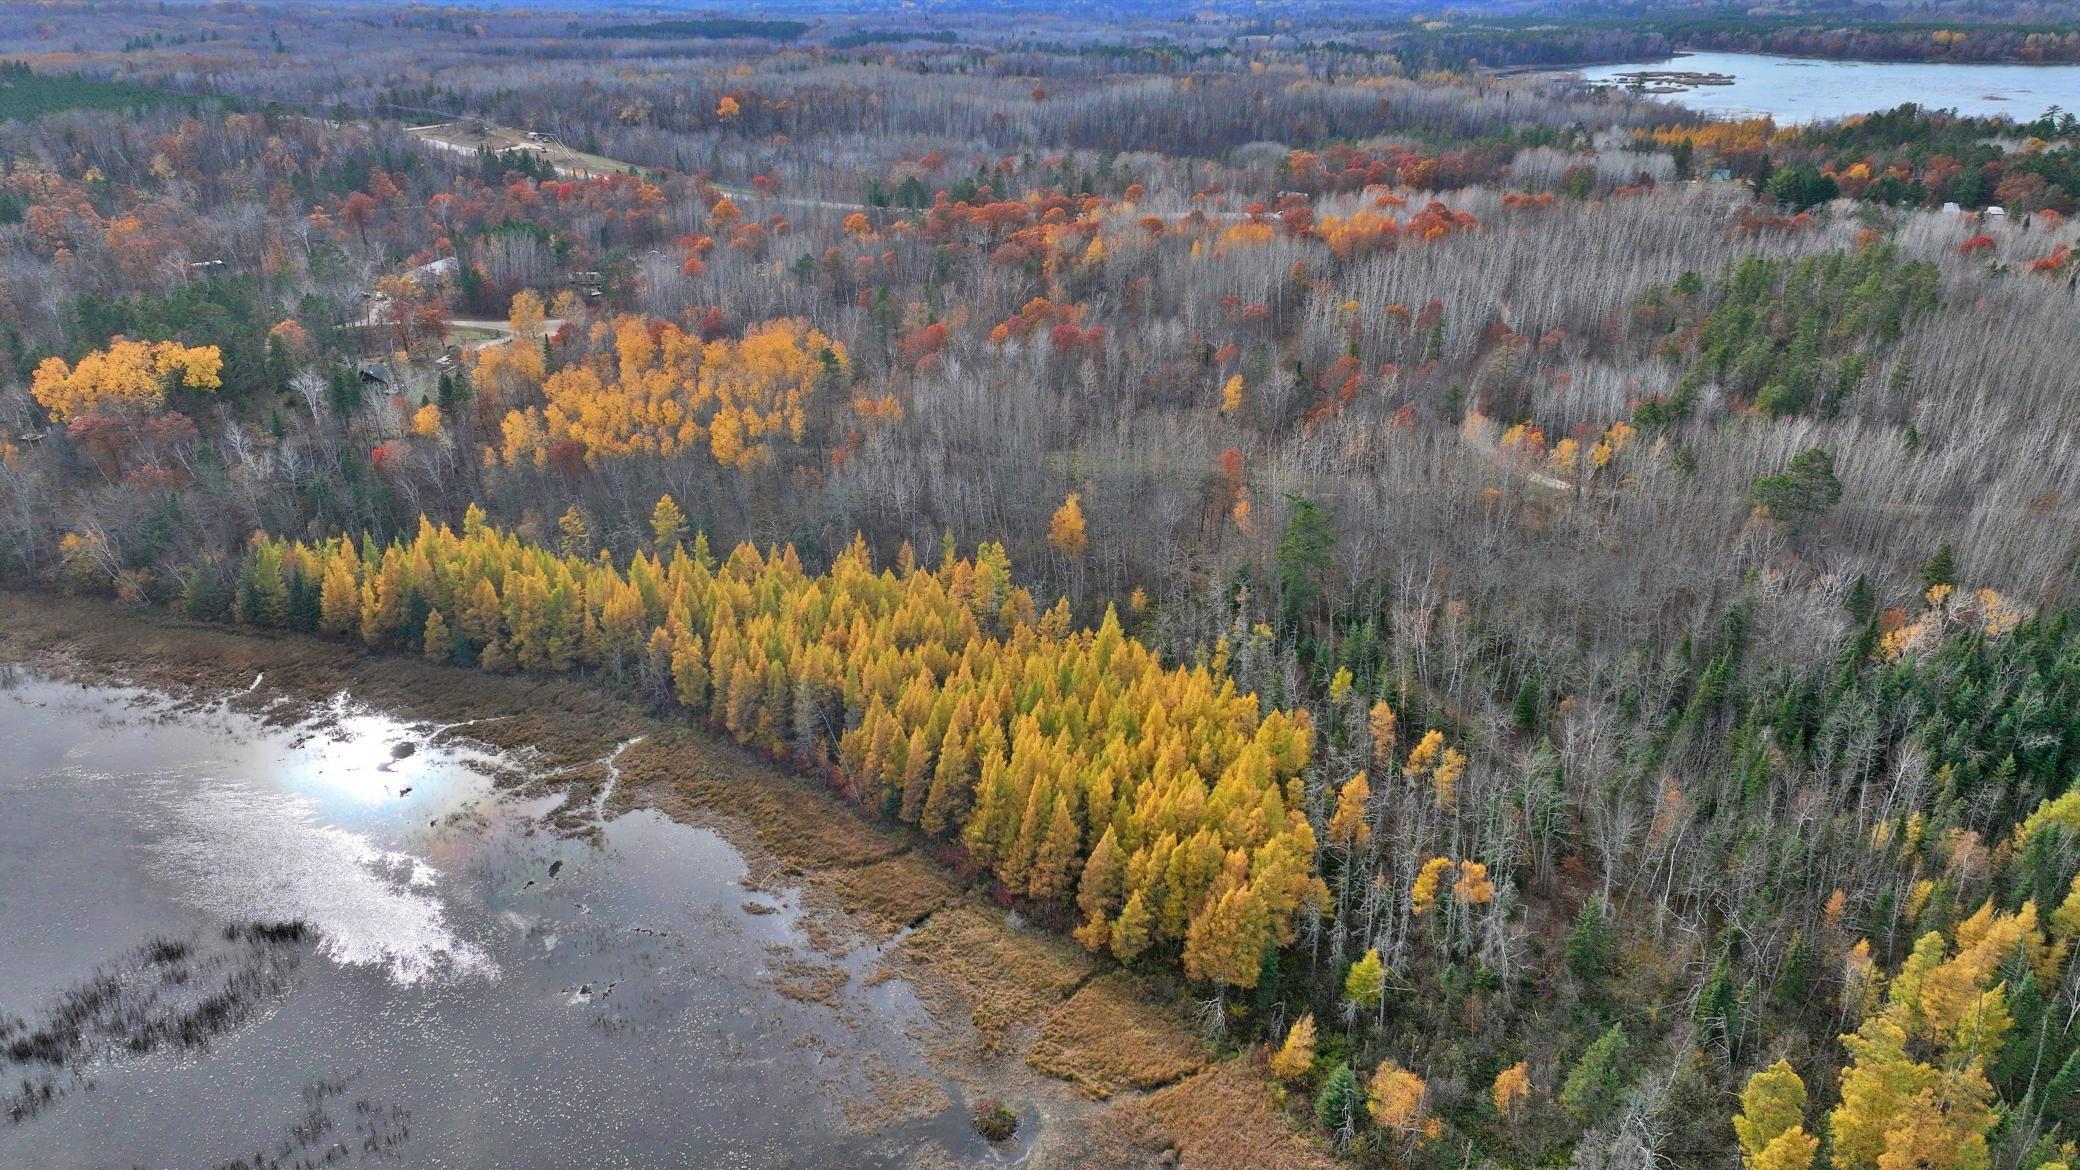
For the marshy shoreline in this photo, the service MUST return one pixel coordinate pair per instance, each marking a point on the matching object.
(1100, 1065)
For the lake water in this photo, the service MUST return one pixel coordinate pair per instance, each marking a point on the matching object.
(463, 986)
(1800, 89)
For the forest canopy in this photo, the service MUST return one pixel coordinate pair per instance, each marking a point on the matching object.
(1539, 622)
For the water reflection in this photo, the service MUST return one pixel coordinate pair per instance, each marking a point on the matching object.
(475, 989)
(1803, 89)
(369, 905)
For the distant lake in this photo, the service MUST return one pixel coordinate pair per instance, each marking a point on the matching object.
(1805, 89)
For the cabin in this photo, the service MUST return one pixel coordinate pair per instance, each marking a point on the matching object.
(444, 268)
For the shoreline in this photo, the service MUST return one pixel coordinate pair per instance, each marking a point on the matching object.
(1681, 52)
(1020, 1013)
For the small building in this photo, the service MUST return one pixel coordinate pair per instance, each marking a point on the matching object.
(445, 268)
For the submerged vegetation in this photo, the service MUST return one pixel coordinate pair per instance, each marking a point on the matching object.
(171, 993)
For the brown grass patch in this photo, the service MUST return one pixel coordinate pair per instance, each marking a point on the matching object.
(807, 982)
(1007, 978)
(901, 891)
(827, 928)
(894, 1097)
(1222, 1119)
(1107, 1038)
(934, 1157)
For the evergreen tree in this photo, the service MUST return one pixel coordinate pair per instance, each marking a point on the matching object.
(1589, 945)
(1336, 1105)
(1805, 489)
(1940, 569)
(1303, 563)
(1597, 1083)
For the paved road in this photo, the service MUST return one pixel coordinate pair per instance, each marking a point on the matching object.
(504, 331)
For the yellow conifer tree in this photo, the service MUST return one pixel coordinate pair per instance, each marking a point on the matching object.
(1295, 1058)
(1065, 529)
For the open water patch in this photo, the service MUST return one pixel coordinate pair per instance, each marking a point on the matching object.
(274, 941)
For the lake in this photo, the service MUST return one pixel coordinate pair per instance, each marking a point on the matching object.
(1800, 89)
(332, 939)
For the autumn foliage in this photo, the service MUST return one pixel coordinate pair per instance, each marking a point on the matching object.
(1072, 764)
(658, 390)
(128, 376)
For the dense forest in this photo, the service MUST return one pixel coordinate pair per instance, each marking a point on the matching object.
(1548, 621)
(25, 94)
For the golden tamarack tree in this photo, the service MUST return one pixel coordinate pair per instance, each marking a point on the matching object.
(1072, 763)
(652, 389)
(1915, 1094)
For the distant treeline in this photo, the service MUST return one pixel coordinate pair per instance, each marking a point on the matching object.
(1119, 54)
(890, 36)
(710, 30)
(26, 94)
